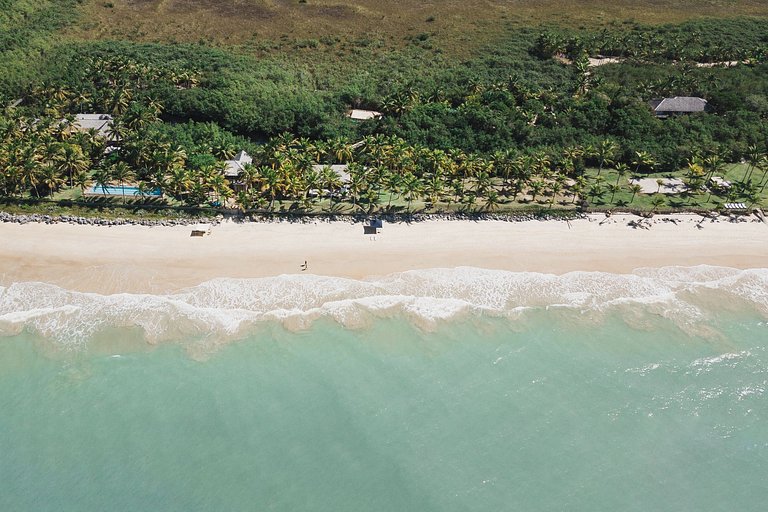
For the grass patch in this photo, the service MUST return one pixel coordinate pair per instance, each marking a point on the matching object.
(457, 26)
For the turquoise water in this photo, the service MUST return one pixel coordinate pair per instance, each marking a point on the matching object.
(479, 392)
(126, 190)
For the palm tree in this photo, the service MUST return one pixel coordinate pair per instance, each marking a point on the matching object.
(121, 173)
(492, 201)
(596, 190)
(540, 162)
(244, 200)
(138, 118)
(621, 170)
(470, 199)
(411, 188)
(763, 166)
(178, 180)
(713, 164)
(613, 189)
(12, 179)
(357, 182)
(693, 186)
(555, 189)
(70, 160)
(753, 157)
(224, 192)
(102, 178)
(30, 174)
(572, 156)
(219, 187)
(121, 100)
(435, 189)
(82, 180)
(223, 150)
(341, 150)
(331, 182)
(657, 201)
(270, 183)
(605, 153)
(643, 159)
(393, 181)
(635, 189)
(51, 179)
(535, 188)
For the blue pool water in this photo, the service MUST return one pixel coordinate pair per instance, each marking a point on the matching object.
(124, 190)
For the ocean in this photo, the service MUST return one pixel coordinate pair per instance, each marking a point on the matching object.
(435, 390)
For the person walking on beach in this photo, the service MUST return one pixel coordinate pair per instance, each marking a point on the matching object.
(304, 266)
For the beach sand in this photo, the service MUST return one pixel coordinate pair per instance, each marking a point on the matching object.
(137, 259)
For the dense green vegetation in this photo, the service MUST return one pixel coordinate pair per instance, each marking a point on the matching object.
(706, 40)
(524, 121)
(26, 28)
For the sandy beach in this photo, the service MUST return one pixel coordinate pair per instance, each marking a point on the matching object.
(164, 259)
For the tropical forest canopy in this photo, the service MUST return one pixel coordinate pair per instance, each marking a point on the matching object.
(511, 93)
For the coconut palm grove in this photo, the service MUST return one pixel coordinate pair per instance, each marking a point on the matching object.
(543, 117)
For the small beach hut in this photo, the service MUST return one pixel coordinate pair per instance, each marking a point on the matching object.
(374, 227)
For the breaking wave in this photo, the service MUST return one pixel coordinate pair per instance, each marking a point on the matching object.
(223, 309)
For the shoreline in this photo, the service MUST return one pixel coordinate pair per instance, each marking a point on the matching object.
(164, 259)
(522, 216)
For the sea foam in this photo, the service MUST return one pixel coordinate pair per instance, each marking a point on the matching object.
(227, 308)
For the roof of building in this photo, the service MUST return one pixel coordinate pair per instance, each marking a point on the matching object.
(680, 104)
(362, 115)
(340, 170)
(98, 122)
(237, 164)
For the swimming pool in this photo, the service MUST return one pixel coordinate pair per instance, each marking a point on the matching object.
(125, 190)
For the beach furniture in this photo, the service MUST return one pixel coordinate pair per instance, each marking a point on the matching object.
(735, 207)
(201, 230)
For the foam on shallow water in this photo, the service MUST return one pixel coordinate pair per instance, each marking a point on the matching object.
(227, 308)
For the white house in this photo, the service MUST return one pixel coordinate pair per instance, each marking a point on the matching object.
(102, 123)
(237, 164)
(339, 169)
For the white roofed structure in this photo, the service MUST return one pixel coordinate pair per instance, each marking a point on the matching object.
(237, 164)
(363, 115)
(102, 123)
(678, 105)
(340, 170)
